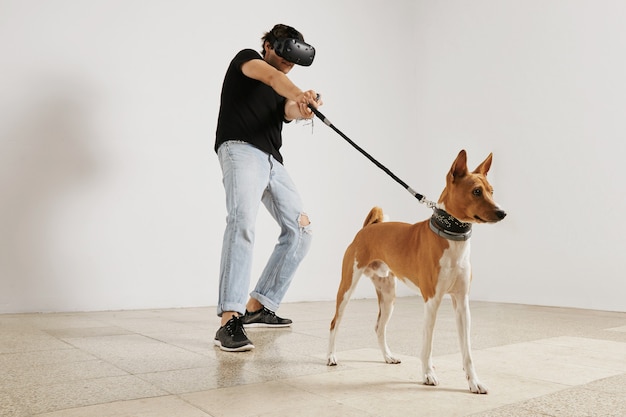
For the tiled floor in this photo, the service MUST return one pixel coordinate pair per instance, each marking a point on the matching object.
(537, 361)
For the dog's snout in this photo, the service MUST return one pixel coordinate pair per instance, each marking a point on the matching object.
(501, 214)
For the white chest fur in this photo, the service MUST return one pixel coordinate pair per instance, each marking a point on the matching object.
(455, 272)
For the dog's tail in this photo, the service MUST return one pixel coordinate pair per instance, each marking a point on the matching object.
(375, 216)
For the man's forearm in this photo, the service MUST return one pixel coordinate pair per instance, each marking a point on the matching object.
(283, 86)
(292, 111)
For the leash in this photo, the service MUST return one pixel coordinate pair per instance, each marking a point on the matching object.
(414, 193)
(441, 222)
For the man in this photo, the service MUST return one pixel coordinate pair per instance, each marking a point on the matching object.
(257, 98)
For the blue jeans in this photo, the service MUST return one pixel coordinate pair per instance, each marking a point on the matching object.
(251, 176)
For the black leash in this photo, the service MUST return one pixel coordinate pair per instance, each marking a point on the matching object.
(415, 194)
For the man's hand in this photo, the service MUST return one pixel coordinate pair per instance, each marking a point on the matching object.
(299, 108)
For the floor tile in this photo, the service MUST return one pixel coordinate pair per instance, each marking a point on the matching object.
(315, 407)
(11, 406)
(139, 354)
(561, 365)
(18, 361)
(45, 398)
(578, 402)
(29, 340)
(618, 329)
(615, 385)
(75, 332)
(200, 342)
(509, 411)
(202, 379)
(149, 407)
(251, 400)
(57, 373)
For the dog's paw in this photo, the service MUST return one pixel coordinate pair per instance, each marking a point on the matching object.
(391, 359)
(476, 387)
(332, 360)
(430, 378)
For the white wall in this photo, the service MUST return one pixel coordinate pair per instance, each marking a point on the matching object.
(111, 195)
(541, 84)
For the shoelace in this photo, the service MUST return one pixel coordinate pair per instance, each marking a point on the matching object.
(235, 325)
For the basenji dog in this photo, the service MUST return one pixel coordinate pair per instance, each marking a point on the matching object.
(432, 256)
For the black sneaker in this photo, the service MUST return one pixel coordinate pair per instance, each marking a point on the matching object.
(264, 318)
(232, 337)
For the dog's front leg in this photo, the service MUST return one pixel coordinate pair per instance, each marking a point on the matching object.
(430, 314)
(463, 323)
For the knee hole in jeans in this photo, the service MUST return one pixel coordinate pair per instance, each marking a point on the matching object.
(303, 220)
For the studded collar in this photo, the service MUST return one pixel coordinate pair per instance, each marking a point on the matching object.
(448, 226)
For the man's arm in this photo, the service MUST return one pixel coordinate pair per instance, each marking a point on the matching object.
(297, 105)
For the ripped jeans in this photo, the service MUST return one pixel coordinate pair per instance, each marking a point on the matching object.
(251, 176)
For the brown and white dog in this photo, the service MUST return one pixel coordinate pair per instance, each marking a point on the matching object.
(432, 256)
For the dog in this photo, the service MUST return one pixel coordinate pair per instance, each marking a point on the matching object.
(432, 256)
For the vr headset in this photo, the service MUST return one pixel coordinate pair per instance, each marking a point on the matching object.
(295, 51)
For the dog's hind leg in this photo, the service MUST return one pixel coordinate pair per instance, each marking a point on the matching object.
(349, 278)
(430, 315)
(460, 304)
(386, 292)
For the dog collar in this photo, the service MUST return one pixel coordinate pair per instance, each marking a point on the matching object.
(449, 227)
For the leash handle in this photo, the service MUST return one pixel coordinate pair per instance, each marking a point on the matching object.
(414, 193)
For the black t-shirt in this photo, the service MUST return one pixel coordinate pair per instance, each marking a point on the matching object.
(250, 110)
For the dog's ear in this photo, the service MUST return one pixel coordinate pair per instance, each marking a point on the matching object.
(459, 167)
(484, 167)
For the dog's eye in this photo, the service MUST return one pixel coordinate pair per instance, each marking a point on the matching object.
(477, 192)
